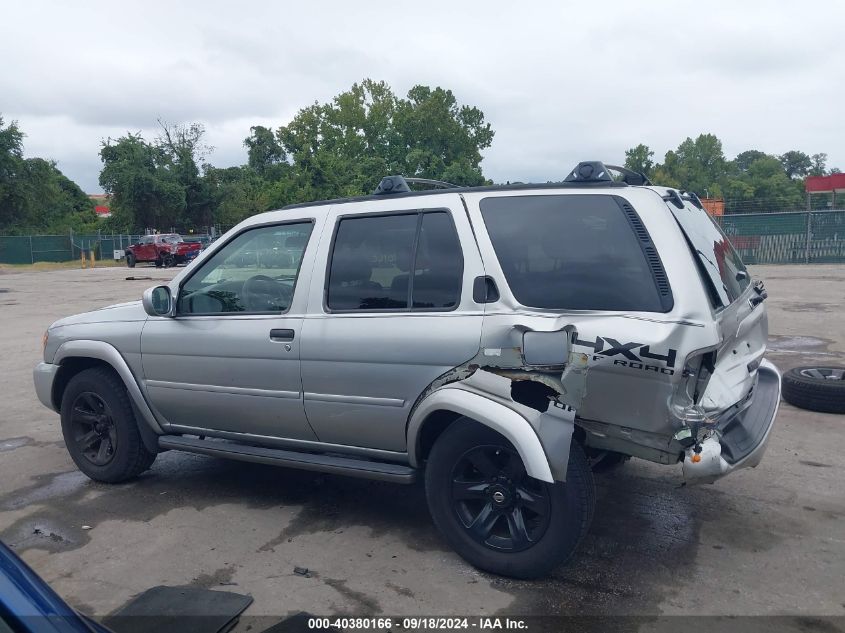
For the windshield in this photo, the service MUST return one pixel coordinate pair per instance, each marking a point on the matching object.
(723, 269)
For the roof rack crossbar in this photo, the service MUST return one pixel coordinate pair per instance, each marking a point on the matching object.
(399, 184)
(441, 184)
(630, 176)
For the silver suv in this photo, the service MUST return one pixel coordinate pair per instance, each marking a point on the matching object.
(501, 342)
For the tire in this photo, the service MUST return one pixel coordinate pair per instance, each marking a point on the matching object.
(130, 260)
(95, 403)
(169, 261)
(460, 493)
(158, 262)
(816, 388)
(606, 461)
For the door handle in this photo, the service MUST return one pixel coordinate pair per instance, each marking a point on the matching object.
(281, 335)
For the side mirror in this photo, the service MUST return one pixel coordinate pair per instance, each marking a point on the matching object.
(546, 348)
(157, 301)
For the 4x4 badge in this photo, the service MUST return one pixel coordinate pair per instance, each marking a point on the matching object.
(627, 350)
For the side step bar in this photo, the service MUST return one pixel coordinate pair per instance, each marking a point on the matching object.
(349, 466)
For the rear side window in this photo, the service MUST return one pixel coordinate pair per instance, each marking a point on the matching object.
(576, 252)
(408, 261)
(722, 267)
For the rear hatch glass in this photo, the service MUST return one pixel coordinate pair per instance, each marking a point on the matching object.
(721, 266)
(576, 252)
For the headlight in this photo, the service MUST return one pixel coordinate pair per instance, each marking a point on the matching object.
(44, 339)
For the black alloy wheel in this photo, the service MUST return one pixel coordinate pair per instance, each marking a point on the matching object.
(496, 515)
(497, 503)
(93, 428)
(99, 427)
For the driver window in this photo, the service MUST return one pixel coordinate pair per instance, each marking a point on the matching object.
(254, 273)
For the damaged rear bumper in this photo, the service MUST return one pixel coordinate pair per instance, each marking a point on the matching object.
(740, 441)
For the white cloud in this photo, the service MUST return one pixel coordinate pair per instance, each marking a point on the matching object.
(559, 82)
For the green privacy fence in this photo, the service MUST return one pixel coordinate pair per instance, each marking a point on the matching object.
(761, 238)
(28, 249)
(788, 238)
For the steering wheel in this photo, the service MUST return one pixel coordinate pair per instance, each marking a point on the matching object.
(264, 294)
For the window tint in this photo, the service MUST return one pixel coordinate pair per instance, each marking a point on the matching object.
(438, 271)
(717, 258)
(255, 272)
(373, 259)
(575, 252)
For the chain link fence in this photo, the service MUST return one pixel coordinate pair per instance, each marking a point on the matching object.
(816, 237)
(790, 237)
(29, 249)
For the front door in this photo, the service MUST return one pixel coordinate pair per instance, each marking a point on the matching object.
(391, 313)
(145, 250)
(230, 358)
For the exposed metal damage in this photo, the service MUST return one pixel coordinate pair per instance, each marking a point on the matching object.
(542, 379)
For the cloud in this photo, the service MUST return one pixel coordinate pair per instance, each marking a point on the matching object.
(560, 82)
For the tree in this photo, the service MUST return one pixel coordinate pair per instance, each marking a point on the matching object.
(239, 192)
(160, 184)
(697, 165)
(144, 191)
(346, 146)
(185, 152)
(11, 165)
(744, 159)
(819, 166)
(264, 151)
(772, 184)
(796, 164)
(34, 194)
(639, 159)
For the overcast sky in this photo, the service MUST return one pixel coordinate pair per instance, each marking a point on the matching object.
(559, 81)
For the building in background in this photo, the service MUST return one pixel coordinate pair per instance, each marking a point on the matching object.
(714, 206)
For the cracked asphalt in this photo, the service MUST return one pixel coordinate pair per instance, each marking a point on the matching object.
(768, 541)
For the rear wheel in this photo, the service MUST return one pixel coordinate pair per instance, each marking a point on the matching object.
(496, 516)
(130, 260)
(606, 461)
(99, 427)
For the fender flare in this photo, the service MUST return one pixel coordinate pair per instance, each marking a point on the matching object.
(109, 354)
(498, 417)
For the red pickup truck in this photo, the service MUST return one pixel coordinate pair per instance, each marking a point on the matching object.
(164, 250)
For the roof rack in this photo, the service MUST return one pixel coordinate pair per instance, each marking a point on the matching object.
(596, 171)
(629, 176)
(390, 185)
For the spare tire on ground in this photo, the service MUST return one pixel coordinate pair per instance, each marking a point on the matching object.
(816, 388)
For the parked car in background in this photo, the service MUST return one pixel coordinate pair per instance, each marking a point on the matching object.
(203, 240)
(500, 342)
(168, 249)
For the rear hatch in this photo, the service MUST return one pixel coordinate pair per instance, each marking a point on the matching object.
(737, 304)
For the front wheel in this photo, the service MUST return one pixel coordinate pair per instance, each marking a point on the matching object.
(99, 427)
(496, 516)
